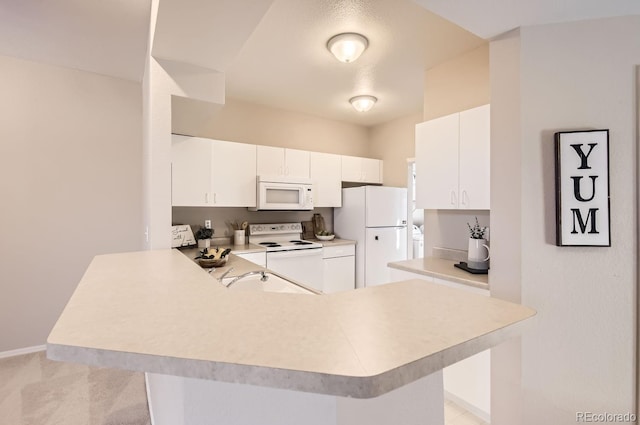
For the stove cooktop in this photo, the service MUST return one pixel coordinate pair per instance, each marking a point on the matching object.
(280, 237)
(288, 245)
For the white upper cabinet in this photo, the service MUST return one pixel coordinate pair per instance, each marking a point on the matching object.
(326, 175)
(475, 163)
(233, 174)
(453, 161)
(207, 172)
(358, 169)
(296, 163)
(190, 171)
(274, 161)
(437, 163)
(270, 161)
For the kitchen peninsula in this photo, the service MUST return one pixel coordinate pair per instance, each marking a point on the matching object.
(295, 355)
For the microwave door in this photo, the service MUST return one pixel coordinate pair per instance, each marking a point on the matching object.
(281, 197)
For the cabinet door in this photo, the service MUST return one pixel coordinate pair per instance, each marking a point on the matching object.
(296, 163)
(326, 175)
(371, 170)
(270, 161)
(351, 168)
(339, 274)
(259, 258)
(233, 174)
(437, 163)
(190, 171)
(475, 158)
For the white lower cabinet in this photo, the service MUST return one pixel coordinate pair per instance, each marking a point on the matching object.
(467, 382)
(339, 268)
(259, 258)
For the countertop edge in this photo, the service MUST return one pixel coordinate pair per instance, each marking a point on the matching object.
(360, 387)
(456, 279)
(334, 242)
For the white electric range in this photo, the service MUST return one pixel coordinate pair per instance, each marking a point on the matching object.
(288, 254)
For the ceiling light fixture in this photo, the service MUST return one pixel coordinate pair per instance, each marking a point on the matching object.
(348, 46)
(363, 103)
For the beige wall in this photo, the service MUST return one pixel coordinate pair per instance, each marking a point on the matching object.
(394, 142)
(244, 122)
(70, 184)
(459, 84)
(581, 353)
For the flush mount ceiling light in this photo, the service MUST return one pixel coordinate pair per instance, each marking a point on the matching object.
(363, 103)
(348, 46)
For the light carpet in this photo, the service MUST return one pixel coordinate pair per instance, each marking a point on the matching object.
(38, 391)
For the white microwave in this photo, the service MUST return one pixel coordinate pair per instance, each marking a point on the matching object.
(283, 193)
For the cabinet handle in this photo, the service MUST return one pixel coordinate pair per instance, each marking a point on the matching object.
(464, 196)
(286, 171)
(214, 198)
(206, 197)
(454, 198)
(281, 171)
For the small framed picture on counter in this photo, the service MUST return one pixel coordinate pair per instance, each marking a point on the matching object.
(582, 188)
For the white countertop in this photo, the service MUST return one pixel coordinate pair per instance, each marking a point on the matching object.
(442, 269)
(158, 311)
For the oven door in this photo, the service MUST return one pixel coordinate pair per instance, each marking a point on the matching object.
(284, 196)
(302, 265)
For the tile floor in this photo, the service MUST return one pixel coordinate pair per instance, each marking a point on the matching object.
(455, 415)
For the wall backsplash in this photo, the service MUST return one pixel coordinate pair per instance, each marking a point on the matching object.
(448, 228)
(220, 216)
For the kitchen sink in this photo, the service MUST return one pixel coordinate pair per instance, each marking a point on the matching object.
(274, 283)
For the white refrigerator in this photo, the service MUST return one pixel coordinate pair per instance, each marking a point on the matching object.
(376, 218)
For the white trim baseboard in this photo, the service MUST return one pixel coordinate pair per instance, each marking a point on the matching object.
(468, 406)
(21, 351)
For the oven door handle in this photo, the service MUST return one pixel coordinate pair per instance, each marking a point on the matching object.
(295, 253)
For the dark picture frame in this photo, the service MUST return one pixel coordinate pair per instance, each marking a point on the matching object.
(583, 211)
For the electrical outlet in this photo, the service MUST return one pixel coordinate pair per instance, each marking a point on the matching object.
(207, 224)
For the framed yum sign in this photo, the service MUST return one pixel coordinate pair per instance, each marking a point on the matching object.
(582, 188)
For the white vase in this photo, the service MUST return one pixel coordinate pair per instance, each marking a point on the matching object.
(478, 254)
(204, 243)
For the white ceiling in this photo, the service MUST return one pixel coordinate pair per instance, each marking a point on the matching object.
(207, 33)
(489, 18)
(106, 37)
(285, 63)
(273, 51)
